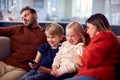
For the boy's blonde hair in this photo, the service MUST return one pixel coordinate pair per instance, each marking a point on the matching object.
(54, 29)
(78, 28)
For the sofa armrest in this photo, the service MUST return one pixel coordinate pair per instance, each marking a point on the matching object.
(4, 47)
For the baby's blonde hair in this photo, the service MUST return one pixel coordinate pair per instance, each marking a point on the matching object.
(78, 28)
(54, 29)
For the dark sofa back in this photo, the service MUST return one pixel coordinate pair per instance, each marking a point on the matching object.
(118, 66)
(115, 28)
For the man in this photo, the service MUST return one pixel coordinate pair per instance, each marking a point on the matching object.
(24, 40)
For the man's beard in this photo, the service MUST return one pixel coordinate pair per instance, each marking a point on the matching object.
(29, 26)
(31, 23)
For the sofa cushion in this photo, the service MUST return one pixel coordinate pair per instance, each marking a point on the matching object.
(4, 47)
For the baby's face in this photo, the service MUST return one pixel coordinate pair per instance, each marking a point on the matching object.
(72, 37)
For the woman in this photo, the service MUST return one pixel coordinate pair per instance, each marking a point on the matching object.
(101, 54)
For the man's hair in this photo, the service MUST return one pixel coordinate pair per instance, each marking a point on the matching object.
(28, 8)
(54, 29)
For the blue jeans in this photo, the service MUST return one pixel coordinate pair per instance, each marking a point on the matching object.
(34, 75)
(81, 78)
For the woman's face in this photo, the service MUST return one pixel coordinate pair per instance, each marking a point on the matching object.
(91, 30)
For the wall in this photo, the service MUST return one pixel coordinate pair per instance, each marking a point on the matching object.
(99, 6)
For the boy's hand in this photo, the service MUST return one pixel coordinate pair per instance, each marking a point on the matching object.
(31, 61)
(42, 69)
(33, 65)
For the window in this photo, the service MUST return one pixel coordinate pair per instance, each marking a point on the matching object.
(63, 10)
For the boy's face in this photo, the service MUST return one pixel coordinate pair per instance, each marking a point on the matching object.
(53, 40)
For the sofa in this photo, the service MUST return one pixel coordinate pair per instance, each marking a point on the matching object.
(5, 50)
(4, 47)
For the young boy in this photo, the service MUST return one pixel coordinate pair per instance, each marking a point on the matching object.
(46, 52)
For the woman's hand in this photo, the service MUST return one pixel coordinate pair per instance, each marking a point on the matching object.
(77, 59)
